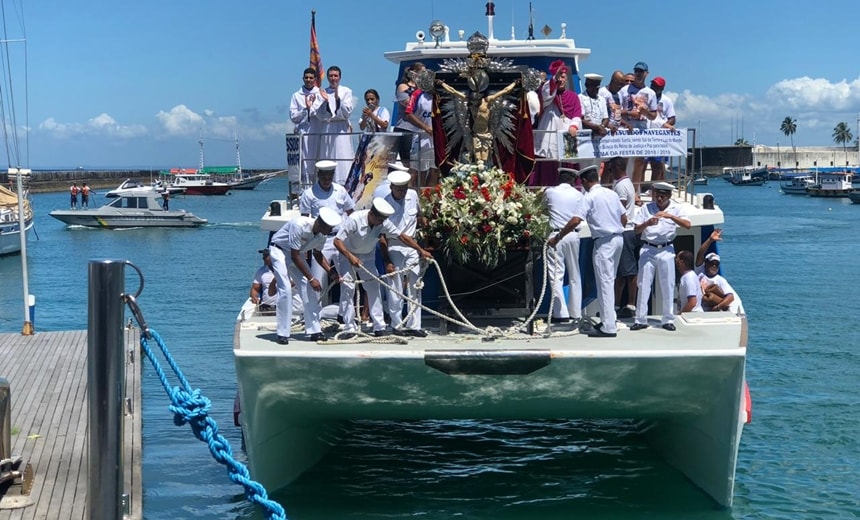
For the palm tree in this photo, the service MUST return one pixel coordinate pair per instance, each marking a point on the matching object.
(789, 127)
(741, 142)
(842, 135)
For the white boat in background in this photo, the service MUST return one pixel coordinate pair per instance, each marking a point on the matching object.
(10, 221)
(195, 183)
(797, 184)
(685, 390)
(834, 184)
(130, 185)
(130, 209)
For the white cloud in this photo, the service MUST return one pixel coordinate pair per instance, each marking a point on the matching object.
(180, 120)
(102, 125)
(815, 94)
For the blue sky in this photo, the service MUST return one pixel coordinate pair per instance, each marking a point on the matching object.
(120, 84)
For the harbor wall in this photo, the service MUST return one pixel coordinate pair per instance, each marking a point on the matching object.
(42, 181)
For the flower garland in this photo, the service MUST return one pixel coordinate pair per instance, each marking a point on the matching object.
(478, 212)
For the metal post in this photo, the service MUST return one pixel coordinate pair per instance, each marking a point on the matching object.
(5, 420)
(105, 378)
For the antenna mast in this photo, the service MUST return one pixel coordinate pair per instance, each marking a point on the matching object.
(200, 142)
(531, 23)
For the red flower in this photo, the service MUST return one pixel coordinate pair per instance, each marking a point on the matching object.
(486, 193)
(464, 240)
(475, 182)
(459, 193)
(487, 228)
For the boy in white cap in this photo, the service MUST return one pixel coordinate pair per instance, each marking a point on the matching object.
(287, 250)
(658, 222)
(356, 241)
(398, 256)
(384, 187)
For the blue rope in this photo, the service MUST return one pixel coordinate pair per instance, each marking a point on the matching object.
(190, 406)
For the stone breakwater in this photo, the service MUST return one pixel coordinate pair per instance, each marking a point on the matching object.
(44, 181)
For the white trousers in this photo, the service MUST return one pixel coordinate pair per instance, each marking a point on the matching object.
(310, 300)
(347, 291)
(662, 262)
(565, 259)
(402, 257)
(607, 252)
(284, 307)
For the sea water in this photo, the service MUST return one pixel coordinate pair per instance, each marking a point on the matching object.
(792, 259)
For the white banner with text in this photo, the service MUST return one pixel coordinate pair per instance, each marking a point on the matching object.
(654, 142)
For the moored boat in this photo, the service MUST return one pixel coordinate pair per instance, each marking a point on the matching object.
(195, 183)
(130, 185)
(796, 184)
(128, 210)
(855, 196)
(11, 223)
(836, 184)
(685, 390)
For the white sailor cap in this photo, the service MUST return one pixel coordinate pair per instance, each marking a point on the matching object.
(382, 207)
(662, 186)
(595, 77)
(397, 165)
(325, 165)
(399, 178)
(712, 257)
(330, 217)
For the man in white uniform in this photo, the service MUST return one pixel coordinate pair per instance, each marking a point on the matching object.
(309, 234)
(333, 107)
(658, 223)
(325, 193)
(398, 256)
(307, 126)
(356, 241)
(563, 201)
(294, 235)
(595, 116)
(603, 211)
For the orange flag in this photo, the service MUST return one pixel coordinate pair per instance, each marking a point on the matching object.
(316, 60)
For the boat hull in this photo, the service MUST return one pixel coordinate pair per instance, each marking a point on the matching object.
(144, 218)
(10, 237)
(293, 398)
(817, 192)
(211, 189)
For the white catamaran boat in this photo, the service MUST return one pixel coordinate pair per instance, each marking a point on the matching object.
(685, 389)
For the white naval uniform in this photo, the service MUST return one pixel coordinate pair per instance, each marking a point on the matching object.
(310, 202)
(302, 237)
(279, 252)
(405, 218)
(308, 127)
(563, 201)
(657, 256)
(361, 239)
(336, 144)
(602, 210)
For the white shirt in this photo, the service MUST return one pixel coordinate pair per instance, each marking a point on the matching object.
(359, 237)
(736, 307)
(593, 109)
(665, 110)
(315, 197)
(298, 234)
(611, 99)
(690, 286)
(624, 188)
(665, 230)
(264, 277)
(602, 209)
(405, 215)
(628, 93)
(562, 201)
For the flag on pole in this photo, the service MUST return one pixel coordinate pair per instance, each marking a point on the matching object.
(316, 60)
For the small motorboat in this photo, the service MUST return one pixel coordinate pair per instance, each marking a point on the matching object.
(129, 185)
(134, 208)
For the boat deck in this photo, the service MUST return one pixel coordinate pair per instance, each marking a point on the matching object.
(47, 373)
(717, 334)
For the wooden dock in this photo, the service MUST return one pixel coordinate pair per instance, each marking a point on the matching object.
(47, 373)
